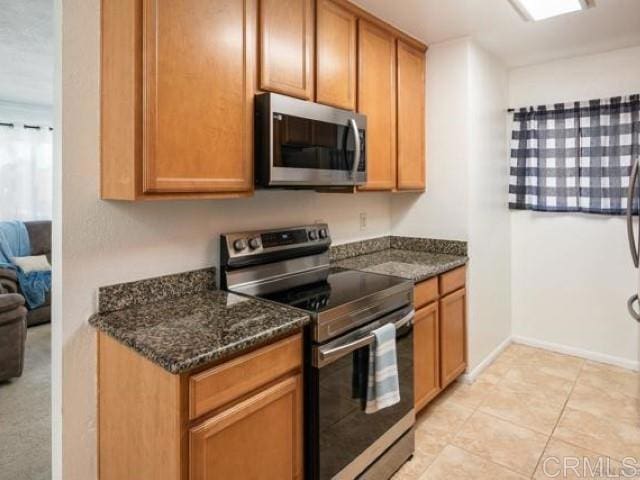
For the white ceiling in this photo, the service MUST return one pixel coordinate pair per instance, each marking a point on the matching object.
(496, 26)
(26, 51)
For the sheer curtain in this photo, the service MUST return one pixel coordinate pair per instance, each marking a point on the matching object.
(26, 156)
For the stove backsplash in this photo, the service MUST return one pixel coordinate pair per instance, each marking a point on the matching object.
(372, 245)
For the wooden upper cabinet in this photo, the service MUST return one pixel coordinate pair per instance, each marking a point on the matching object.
(377, 100)
(198, 95)
(336, 33)
(260, 437)
(411, 117)
(286, 47)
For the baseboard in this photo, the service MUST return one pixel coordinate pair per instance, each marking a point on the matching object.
(578, 352)
(470, 377)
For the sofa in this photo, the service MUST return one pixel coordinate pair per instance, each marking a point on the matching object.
(13, 334)
(40, 239)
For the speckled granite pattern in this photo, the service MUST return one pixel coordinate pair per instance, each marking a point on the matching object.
(143, 292)
(182, 333)
(432, 245)
(362, 247)
(372, 245)
(413, 265)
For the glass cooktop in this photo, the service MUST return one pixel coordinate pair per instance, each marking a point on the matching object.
(341, 286)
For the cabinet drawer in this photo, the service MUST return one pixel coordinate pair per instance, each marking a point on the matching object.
(452, 280)
(425, 292)
(224, 383)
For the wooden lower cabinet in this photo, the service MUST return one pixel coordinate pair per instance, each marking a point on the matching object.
(426, 355)
(440, 334)
(236, 420)
(260, 437)
(453, 336)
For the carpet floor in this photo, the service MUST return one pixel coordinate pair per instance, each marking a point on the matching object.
(25, 413)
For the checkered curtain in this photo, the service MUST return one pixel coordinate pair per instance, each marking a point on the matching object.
(575, 156)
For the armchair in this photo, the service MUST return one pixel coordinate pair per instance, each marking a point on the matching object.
(40, 239)
(13, 334)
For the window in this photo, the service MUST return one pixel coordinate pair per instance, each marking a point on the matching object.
(26, 154)
(574, 156)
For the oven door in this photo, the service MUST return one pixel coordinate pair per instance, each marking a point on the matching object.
(309, 145)
(343, 439)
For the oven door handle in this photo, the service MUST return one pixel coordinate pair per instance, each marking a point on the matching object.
(328, 354)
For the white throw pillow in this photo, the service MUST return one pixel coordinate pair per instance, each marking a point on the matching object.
(37, 263)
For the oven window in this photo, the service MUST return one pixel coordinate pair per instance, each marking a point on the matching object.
(303, 143)
(344, 430)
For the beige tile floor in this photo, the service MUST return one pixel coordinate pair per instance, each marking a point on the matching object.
(532, 414)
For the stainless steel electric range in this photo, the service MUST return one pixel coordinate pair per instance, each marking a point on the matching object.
(291, 266)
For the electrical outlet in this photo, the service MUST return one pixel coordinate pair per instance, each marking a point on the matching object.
(363, 220)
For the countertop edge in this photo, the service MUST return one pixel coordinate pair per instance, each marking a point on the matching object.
(454, 264)
(220, 355)
(435, 268)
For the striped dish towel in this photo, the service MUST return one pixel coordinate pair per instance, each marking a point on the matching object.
(382, 385)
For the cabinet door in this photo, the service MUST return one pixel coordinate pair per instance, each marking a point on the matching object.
(377, 100)
(453, 336)
(198, 95)
(286, 42)
(411, 118)
(260, 437)
(335, 55)
(425, 355)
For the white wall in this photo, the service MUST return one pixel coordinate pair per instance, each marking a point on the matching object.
(572, 274)
(98, 243)
(467, 174)
(489, 321)
(442, 211)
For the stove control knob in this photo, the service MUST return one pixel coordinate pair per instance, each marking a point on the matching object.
(323, 233)
(313, 235)
(239, 244)
(255, 243)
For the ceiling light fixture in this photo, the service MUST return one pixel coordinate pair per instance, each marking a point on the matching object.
(534, 10)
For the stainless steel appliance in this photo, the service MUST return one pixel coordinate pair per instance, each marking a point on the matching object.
(291, 266)
(303, 144)
(634, 239)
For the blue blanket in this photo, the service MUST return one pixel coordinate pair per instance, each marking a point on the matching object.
(14, 242)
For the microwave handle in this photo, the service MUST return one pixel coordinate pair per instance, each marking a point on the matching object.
(358, 145)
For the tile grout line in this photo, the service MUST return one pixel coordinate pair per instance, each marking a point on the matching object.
(448, 443)
(477, 408)
(576, 444)
(575, 381)
(473, 412)
(487, 460)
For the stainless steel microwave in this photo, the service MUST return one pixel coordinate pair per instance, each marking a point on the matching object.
(303, 144)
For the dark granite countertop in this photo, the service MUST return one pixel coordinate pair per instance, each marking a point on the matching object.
(410, 264)
(184, 332)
